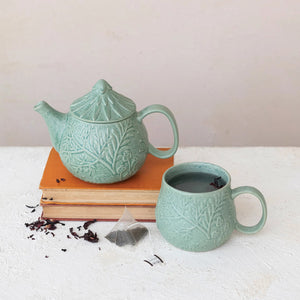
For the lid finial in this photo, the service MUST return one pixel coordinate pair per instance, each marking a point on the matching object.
(102, 86)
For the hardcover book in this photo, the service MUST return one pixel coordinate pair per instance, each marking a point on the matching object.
(67, 197)
(99, 212)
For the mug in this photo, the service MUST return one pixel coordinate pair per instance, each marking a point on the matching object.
(201, 221)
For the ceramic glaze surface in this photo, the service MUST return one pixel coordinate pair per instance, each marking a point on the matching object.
(102, 139)
(197, 224)
(200, 221)
(102, 104)
(96, 153)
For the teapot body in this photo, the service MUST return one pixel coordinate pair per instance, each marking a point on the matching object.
(102, 138)
(103, 153)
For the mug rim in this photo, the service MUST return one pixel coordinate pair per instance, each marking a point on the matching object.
(196, 163)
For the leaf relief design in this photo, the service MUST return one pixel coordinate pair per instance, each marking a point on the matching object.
(86, 146)
(205, 217)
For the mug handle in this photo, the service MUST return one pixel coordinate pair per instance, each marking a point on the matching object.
(251, 190)
(157, 108)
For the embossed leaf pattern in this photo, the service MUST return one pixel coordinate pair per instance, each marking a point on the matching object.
(86, 145)
(190, 215)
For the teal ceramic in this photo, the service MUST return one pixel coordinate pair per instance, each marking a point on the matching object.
(102, 138)
(201, 221)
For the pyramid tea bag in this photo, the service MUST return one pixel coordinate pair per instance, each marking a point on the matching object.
(127, 231)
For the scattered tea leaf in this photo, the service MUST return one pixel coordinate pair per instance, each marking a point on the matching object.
(148, 262)
(218, 182)
(88, 223)
(29, 206)
(158, 258)
(154, 260)
(50, 227)
(74, 233)
(91, 237)
(51, 224)
(35, 225)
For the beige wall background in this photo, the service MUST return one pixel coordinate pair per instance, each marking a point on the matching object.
(229, 70)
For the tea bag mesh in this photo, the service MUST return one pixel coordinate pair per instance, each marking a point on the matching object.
(127, 231)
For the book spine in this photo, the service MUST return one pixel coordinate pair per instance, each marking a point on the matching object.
(99, 220)
(44, 203)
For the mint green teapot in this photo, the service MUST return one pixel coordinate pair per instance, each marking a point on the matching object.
(102, 138)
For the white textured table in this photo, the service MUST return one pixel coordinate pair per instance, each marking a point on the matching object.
(261, 266)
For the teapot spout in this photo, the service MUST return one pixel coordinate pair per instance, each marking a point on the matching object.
(55, 120)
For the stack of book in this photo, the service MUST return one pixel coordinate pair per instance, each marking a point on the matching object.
(65, 197)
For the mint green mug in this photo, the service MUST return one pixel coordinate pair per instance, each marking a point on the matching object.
(201, 221)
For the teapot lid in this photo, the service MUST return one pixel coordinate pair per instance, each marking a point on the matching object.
(102, 105)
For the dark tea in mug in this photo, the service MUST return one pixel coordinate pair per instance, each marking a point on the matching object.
(196, 182)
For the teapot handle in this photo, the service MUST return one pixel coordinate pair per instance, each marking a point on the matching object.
(157, 108)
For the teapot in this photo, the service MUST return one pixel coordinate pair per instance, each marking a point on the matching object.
(102, 139)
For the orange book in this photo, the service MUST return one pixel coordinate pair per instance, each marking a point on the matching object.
(147, 178)
(61, 189)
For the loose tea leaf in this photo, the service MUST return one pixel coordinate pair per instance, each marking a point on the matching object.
(148, 262)
(29, 206)
(50, 224)
(154, 260)
(35, 225)
(74, 233)
(88, 223)
(218, 182)
(91, 237)
(158, 258)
